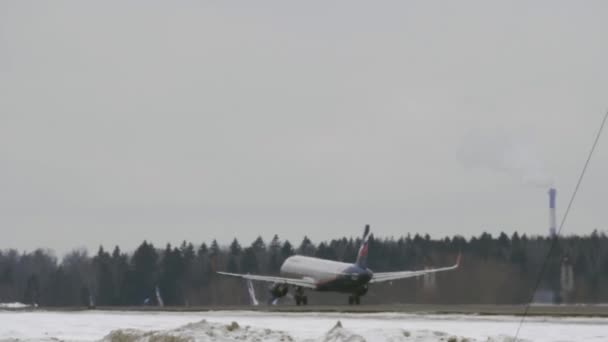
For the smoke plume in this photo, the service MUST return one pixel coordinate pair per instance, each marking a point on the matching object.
(517, 157)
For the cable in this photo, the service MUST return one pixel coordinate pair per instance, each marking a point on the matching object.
(558, 233)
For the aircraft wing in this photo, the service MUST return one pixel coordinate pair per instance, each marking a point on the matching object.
(303, 282)
(388, 276)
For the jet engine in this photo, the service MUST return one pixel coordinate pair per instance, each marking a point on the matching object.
(278, 290)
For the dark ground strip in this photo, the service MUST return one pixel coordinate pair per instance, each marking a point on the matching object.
(471, 309)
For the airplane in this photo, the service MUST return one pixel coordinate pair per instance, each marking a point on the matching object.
(303, 272)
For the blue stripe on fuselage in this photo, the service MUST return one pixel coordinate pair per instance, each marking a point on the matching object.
(351, 279)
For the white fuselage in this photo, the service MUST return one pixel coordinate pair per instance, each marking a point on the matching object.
(318, 270)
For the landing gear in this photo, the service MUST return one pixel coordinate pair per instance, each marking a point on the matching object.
(356, 300)
(301, 299)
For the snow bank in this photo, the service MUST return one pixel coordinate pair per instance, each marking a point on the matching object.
(339, 334)
(15, 305)
(204, 331)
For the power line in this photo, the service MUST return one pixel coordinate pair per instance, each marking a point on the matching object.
(561, 226)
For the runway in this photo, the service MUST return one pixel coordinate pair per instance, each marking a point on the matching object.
(569, 310)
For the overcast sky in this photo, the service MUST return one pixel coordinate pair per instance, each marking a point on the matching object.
(123, 121)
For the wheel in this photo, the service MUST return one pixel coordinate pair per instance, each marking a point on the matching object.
(357, 300)
(305, 300)
(350, 300)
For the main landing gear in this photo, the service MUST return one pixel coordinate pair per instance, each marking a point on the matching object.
(356, 300)
(301, 299)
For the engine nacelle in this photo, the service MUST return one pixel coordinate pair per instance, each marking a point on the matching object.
(278, 290)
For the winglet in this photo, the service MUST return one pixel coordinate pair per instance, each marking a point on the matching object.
(458, 259)
(251, 290)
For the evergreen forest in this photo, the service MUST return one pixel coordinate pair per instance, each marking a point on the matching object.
(499, 269)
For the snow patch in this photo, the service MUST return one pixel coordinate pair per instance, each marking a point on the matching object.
(202, 331)
(339, 334)
(15, 305)
(504, 338)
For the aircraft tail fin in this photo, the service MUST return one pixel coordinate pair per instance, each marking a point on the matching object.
(362, 256)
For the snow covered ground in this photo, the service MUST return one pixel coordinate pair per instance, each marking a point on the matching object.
(265, 326)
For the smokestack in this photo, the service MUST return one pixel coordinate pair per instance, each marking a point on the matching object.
(552, 218)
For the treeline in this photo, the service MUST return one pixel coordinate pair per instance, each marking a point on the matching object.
(494, 270)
